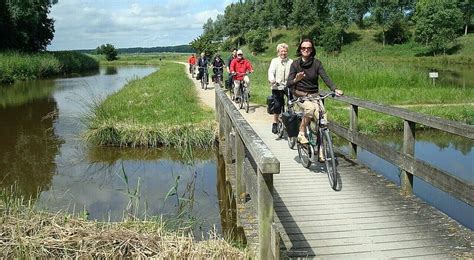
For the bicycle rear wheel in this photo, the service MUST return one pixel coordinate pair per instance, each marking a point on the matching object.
(281, 129)
(291, 142)
(330, 158)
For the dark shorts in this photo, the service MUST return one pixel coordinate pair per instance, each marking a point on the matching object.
(279, 96)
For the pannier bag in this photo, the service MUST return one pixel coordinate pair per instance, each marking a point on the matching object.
(292, 123)
(270, 104)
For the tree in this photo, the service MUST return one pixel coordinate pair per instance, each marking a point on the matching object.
(25, 24)
(256, 39)
(386, 13)
(108, 50)
(437, 24)
(302, 15)
(359, 9)
(466, 7)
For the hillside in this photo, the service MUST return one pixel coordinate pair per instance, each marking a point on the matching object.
(360, 42)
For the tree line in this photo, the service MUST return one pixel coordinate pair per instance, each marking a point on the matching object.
(433, 23)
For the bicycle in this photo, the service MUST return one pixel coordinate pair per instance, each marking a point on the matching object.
(244, 93)
(192, 68)
(281, 126)
(219, 75)
(204, 78)
(319, 137)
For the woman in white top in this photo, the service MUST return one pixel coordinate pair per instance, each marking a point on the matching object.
(277, 76)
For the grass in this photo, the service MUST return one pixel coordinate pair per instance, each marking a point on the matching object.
(161, 109)
(28, 232)
(23, 66)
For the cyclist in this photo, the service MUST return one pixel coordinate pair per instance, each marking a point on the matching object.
(229, 61)
(217, 67)
(192, 63)
(303, 80)
(238, 68)
(277, 76)
(203, 62)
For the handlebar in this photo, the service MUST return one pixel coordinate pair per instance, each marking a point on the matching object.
(311, 98)
(240, 73)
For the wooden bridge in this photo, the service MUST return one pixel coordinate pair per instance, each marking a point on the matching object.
(289, 211)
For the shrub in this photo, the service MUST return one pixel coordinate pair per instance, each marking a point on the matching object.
(331, 38)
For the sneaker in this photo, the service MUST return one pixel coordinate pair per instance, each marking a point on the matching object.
(302, 139)
(275, 128)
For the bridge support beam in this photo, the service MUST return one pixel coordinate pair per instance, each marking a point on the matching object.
(406, 177)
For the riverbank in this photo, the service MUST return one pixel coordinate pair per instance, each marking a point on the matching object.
(28, 232)
(16, 66)
(161, 109)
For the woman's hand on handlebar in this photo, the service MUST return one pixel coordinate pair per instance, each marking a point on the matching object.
(338, 92)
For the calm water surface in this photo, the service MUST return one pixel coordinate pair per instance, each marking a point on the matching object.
(41, 151)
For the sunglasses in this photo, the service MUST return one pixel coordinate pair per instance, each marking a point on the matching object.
(306, 48)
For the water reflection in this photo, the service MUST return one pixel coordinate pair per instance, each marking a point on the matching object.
(452, 74)
(28, 146)
(110, 70)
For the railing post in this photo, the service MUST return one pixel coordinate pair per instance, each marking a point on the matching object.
(265, 215)
(239, 168)
(354, 117)
(406, 178)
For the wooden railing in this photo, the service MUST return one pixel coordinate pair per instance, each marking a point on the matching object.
(254, 165)
(405, 159)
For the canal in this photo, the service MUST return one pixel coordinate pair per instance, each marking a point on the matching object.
(43, 155)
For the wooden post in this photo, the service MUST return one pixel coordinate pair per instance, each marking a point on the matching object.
(265, 215)
(354, 116)
(406, 178)
(239, 169)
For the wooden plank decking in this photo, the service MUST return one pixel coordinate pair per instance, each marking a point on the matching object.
(368, 218)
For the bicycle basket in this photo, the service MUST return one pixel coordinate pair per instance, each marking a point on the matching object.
(292, 123)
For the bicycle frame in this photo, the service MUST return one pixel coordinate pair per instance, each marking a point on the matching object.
(319, 137)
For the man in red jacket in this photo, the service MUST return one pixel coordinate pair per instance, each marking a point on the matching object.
(192, 64)
(239, 67)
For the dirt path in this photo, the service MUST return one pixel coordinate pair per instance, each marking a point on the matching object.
(257, 113)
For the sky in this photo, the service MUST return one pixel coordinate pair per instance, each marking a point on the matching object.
(86, 24)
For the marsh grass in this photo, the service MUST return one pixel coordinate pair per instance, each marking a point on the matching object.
(28, 66)
(28, 232)
(161, 109)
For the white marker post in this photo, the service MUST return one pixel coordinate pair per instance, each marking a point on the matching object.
(434, 76)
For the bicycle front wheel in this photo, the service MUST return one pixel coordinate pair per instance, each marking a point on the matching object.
(305, 153)
(330, 158)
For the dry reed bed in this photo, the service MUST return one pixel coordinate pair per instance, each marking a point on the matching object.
(27, 233)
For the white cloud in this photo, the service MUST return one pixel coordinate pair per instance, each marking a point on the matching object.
(126, 23)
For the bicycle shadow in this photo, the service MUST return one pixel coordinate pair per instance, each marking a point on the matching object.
(320, 168)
